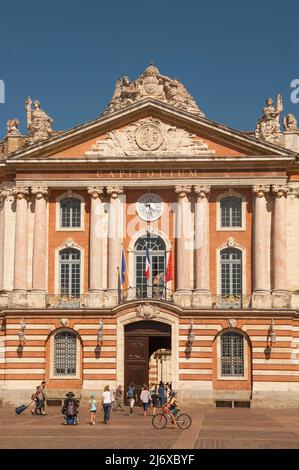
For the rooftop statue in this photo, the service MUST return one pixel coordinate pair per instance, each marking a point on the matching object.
(13, 127)
(290, 123)
(39, 124)
(268, 127)
(151, 84)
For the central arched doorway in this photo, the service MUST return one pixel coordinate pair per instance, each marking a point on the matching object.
(145, 340)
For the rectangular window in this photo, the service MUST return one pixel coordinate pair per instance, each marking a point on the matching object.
(232, 355)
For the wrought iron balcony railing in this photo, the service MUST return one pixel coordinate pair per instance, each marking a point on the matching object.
(146, 292)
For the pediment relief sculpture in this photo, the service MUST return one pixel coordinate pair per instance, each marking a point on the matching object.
(151, 84)
(149, 136)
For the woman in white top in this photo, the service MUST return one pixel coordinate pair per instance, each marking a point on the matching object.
(145, 397)
(106, 402)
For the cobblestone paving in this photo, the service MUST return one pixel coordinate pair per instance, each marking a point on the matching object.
(26, 432)
(249, 429)
(211, 429)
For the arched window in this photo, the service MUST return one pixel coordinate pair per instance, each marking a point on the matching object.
(69, 268)
(232, 355)
(154, 287)
(65, 353)
(231, 212)
(70, 213)
(231, 272)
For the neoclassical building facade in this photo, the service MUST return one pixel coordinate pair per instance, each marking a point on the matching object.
(151, 244)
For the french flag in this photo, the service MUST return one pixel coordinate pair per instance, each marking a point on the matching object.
(147, 265)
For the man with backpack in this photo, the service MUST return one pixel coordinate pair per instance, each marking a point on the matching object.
(132, 397)
(70, 409)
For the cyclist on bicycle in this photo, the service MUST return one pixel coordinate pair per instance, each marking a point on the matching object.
(172, 406)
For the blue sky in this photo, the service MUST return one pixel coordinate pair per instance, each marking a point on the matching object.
(229, 54)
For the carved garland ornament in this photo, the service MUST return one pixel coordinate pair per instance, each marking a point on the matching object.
(147, 311)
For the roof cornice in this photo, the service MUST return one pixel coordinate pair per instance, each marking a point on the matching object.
(119, 118)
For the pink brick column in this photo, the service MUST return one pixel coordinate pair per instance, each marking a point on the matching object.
(114, 236)
(39, 261)
(21, 239)
(279, 240)
(96, 239)
(202, 242)
(183, 247)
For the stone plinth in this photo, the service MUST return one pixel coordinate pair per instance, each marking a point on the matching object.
(36, 299)
(183, 298)
(281, 299)
(95, 299)
(19, 299)
(202, 299)
(261, 299)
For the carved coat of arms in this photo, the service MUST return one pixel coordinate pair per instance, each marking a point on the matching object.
(147, 311)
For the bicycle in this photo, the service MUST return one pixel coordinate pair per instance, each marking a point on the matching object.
(183, 420)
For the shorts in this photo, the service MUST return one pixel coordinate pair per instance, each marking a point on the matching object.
(132, 402)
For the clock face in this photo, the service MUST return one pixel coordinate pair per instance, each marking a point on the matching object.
(149, 207)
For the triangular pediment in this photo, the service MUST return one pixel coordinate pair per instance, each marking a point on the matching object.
(146, 129)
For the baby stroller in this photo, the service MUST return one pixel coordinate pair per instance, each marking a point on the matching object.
(70, 409)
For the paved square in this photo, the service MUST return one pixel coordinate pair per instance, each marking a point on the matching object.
(211, 429)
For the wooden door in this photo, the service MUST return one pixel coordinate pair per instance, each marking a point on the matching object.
(136, 362)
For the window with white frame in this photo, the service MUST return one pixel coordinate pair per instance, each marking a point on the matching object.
(231, 212)
(70, 213)
(65, 354)
(231, 271)
(70, 271)
(232, 355)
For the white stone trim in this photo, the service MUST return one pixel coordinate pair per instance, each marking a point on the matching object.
(164, 317)
(231, 193)
(218, 267)
(57, 271)
(245, 351)
(52, 376)
(66, 195)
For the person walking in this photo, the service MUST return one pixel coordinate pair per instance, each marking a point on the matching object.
(37, 397)
(155, 400)
(161, 394)
(43, 389)
(145, 397)
(106, 403)
(93, 408)
(132, 397)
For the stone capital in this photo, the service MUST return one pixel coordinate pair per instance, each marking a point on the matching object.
(280, 190)
(261, 190)
(39, 191)
(182, 191)
(21, 192)
(115, 191)
(202, 190)
(5, 192)
(95, 192)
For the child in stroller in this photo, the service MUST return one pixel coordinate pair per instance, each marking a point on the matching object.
(70, 409)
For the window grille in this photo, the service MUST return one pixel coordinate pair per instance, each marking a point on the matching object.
(232, 355)
(70, 213)
(65, 353)
(69, 260)
(231, 212)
